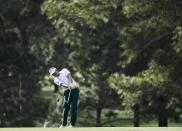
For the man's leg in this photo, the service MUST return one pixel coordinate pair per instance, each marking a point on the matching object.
(75, 97)
(66, 108)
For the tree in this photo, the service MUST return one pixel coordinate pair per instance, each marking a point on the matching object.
(94, 35)
(152, 21)
(23, 55)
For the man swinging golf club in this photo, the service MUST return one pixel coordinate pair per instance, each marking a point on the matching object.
(71, 94)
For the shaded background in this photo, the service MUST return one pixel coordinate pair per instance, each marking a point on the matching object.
(125, 54)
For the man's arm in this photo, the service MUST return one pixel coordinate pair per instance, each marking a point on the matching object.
(70, 78)
(68, 74)
(57, 82)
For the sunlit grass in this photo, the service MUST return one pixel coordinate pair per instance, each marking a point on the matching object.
(86, 118)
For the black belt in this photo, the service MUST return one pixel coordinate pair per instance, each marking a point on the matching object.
(66, 87)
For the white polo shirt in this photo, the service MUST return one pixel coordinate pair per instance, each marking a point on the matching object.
(62, 79)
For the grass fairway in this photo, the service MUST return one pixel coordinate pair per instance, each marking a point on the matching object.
(96, 129)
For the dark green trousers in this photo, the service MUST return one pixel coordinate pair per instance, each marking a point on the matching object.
(70, 102)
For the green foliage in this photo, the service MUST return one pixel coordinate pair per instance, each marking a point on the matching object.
(24, 39)
(114, 48)
(161, 76)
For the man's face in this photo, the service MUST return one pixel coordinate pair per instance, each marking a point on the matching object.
(56, 73)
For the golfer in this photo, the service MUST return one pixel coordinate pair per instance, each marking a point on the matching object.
(71, 94)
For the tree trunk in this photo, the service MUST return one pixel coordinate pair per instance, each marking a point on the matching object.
(176, 118)
(162, 113)
(20, 95)
(98, 116)
(136, 118)
(24, 39)
(2, 122)
(162, 119)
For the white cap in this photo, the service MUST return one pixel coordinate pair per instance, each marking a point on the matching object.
(52, 70)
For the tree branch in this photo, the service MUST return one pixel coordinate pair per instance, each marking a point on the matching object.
(139, 63)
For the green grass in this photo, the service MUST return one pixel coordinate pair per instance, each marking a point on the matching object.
(123, 119)
(86, 118)
(93, 129)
